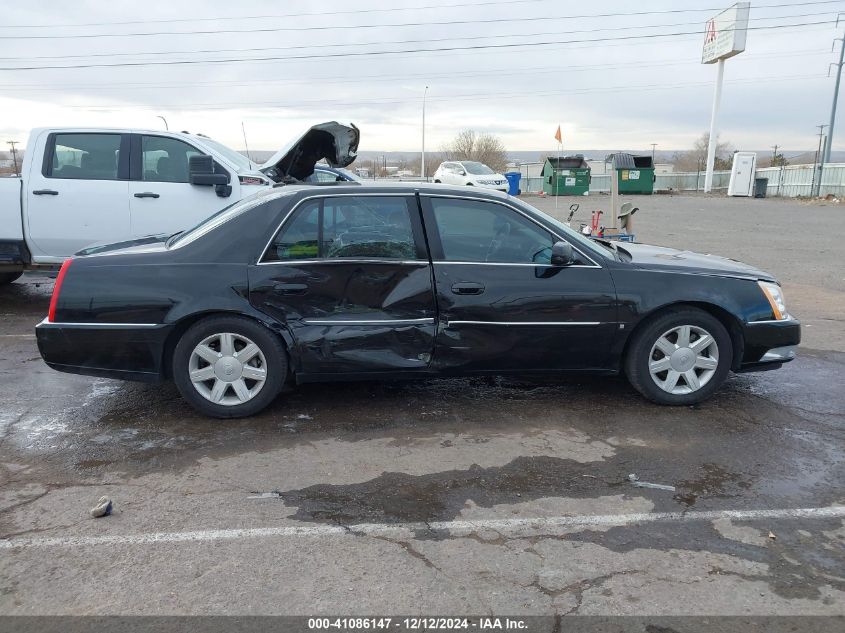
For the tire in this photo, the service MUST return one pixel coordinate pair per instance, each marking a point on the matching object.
(242, 392)
(659, 368)
(437, 182)
(7, 278)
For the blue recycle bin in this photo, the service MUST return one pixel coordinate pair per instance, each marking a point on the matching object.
(513, 182)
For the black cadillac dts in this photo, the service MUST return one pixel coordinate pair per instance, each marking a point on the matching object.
(342, 282)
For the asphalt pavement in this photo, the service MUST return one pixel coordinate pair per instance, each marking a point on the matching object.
(451, 496)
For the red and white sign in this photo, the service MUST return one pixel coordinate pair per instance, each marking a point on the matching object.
(725, 34)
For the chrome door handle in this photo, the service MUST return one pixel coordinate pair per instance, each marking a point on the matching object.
(467, 288)
(291, 289)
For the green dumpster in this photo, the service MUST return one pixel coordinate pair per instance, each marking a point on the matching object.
(566, 176)
(635, 174)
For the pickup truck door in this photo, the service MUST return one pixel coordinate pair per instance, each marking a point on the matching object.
(161, 200)
(78, 194)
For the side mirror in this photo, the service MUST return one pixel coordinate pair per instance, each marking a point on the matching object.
(201, 172)
(561, 254)
(462, 173)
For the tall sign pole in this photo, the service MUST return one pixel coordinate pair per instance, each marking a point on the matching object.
(724, 37)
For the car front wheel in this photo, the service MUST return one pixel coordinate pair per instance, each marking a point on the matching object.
(680, 357)
(229, 367)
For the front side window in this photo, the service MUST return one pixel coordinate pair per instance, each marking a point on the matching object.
(85, 156)
(473, 231)
(165, 159)
(355, 227)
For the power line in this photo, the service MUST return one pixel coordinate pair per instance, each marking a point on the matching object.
(544, 18)
(411, 41)
(403, 51)
(230, 18)
(344, 79)
(447, 98)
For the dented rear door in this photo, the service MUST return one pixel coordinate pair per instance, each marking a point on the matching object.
(350, 278)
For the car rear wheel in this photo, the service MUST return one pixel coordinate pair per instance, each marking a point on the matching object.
(7, 278)
(680, 357)
(229, 367)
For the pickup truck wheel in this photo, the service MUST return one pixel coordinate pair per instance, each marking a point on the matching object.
(680, 357)
(229, 367)
(7, 278)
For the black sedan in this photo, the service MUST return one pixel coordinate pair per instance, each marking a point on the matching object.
(314, 283)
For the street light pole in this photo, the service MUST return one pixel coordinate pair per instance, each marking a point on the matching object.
(422, 155)
(653, 145)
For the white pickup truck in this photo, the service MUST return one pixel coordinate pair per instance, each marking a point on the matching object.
(85, 186)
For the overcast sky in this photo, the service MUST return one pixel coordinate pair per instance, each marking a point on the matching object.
(606, 92)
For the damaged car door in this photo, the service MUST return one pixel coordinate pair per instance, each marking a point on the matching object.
(350, 277)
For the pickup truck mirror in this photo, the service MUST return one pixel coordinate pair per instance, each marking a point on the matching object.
(201, 172)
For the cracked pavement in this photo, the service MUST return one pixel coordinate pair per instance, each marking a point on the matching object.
(425, 457)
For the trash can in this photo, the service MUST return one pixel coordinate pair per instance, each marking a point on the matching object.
(513, 182)
(760, 186)
(566, 176)
(635, 174)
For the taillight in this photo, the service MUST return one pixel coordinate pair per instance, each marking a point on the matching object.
(51, 315)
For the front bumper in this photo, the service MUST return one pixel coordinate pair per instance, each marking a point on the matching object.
(769, 344)
(126, 351)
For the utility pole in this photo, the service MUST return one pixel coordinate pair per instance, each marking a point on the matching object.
(774, 154)
(14, 154)
(815, 187)
(826, 157)
(653, 145)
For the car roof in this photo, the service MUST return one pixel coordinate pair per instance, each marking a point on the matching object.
(394, 187)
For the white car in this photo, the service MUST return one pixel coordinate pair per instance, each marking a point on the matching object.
(471, 173)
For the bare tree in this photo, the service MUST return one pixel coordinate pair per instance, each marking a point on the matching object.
(696, 158)
(432, 162)
(484, 148)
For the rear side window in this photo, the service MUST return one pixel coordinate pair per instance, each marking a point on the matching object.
(352, 227)
(85, 156)
(165, 159)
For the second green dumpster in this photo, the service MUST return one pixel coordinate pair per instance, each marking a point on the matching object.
(566, 176)
(635, 174)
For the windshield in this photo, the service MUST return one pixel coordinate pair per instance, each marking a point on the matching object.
(477, 169)
(348, 174)
(573, 236)
(236, 158)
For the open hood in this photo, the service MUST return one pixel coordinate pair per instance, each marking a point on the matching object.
(333, 142)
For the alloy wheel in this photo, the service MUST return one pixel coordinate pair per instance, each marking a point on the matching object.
(227, 368)
(683, 359)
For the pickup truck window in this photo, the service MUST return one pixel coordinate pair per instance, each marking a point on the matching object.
(85, 156)
(165, 159)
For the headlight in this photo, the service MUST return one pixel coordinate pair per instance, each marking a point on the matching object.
(774, 293)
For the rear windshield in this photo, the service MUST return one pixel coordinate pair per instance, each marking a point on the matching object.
(221, 217)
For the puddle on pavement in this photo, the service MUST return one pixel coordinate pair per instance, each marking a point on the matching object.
(715, 482)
